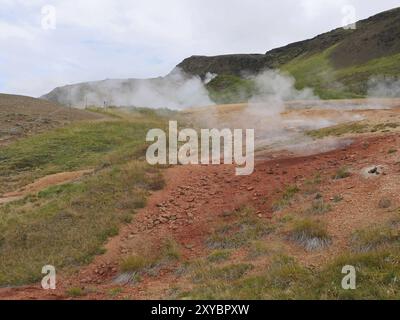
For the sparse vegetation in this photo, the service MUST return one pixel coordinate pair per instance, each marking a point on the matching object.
(285, 200)
(218, 256)
(341, 173)
(114, 292)
(150, 259)
(284, 278)
(75, 292)
(374, 237)
(338, 198)
(170, 250)
(276, 282)
(286, 218)
(239, 233)
(350, 128)
(258, 249)
(339, 130)
(311, 186)
(231, 272)
(319, 207)
(137, 263)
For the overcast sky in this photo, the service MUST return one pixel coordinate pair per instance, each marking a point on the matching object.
(99, 39)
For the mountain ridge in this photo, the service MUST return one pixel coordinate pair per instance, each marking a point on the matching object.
(336, 64)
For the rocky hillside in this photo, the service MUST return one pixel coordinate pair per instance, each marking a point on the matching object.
(336, 64)
(375, 37)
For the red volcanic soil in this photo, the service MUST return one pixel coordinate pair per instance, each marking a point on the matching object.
(197, 199)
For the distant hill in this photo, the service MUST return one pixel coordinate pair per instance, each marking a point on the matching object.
(21, 116)
(336, 64)
(96, 93)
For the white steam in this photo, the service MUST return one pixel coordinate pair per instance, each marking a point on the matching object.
(384, 87)
(209, 77)
(272, 90)
(175, 91)
(280, 114)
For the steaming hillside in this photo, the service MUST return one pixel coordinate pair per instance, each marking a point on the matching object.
(338, 64)
(175, 91)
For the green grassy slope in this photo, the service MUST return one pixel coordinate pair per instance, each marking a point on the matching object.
(56, 226)
(317, 72)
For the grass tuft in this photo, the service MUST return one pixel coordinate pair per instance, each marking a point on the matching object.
(149, 260)
(319, 207)
(239, 233)
(341, 173)
(373, 238)
(311, 234)
(287, 197)
(75, 292)
(218, 256)
(227, 273)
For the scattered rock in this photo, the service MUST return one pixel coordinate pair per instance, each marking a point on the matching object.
(373, 171)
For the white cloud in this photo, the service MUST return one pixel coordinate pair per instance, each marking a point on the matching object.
(12, 32)
(97, 39)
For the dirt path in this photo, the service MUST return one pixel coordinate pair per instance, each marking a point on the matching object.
(43, 183)
(197, 198)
